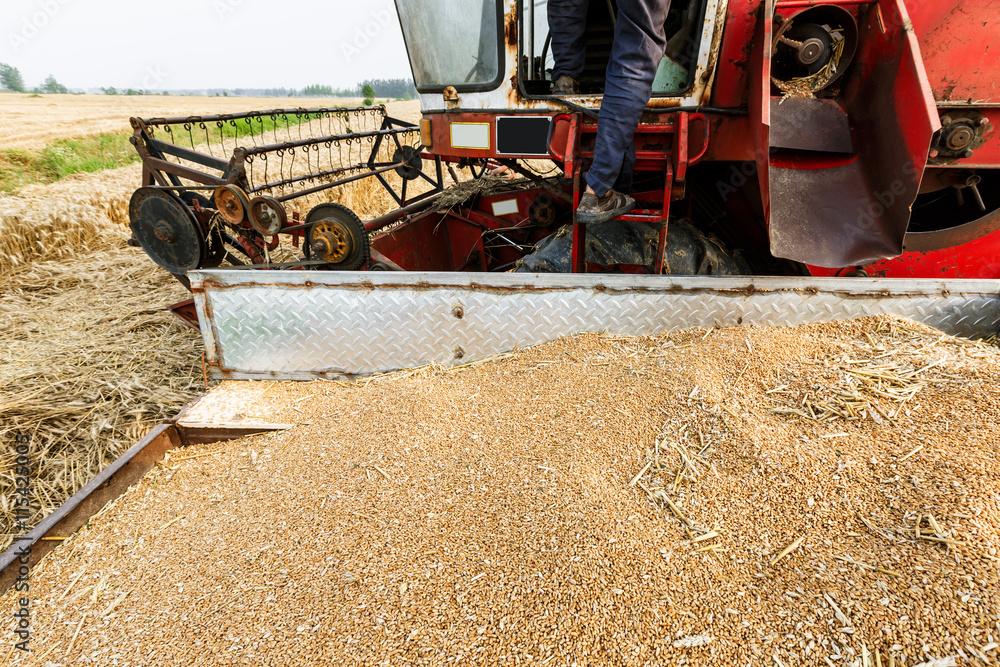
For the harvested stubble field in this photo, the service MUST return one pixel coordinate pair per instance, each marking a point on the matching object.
(30, 122)
(594, 501)
(91, 360)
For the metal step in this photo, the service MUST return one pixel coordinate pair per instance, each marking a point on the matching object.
(302, 325)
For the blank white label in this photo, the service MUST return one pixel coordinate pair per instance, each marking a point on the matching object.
(470, 135)
(508, 207)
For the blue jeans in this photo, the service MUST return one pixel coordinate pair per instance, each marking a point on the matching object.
(568, 25)
(639, 45)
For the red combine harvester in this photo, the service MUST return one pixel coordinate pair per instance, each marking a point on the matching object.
(793, 138)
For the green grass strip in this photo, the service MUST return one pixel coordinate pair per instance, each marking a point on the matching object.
(64, 157)
(19, 168)
(262, 128)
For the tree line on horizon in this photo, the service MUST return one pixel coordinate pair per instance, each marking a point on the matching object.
(370, 88)
(11, 79)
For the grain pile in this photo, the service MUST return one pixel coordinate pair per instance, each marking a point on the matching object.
(593, 501)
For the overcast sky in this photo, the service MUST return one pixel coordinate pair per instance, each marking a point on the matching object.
(197, 44)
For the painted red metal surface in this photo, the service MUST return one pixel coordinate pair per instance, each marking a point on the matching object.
(977, 259)
(926, 15)
(959, 48)
(914, 50)
(738, 42)
(187, 312)
(466, 238)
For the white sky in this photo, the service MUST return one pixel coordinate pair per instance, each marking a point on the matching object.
(197, 44)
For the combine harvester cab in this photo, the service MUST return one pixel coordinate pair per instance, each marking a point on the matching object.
(833, 148)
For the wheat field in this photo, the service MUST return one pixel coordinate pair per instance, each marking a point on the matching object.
(30, 122)
(92, 359)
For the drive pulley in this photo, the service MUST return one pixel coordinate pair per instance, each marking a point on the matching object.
(337, 236)
(167, 230)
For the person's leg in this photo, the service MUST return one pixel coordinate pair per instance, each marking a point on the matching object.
(639, 45)
(568, 24)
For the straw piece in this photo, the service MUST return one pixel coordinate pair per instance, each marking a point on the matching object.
(71, 584)
(114, 605)
(168, 524)
(707, 536)
(942, 540)
(642, 472)
(789, 549)
(197, 456)
(76, 634)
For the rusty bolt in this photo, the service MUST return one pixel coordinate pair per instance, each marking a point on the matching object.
(967, 154)
(945, 121)
(164, 232)
(984, 121)
(961, 137)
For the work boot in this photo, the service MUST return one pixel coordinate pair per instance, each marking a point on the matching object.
(594, 209)
(566, 85)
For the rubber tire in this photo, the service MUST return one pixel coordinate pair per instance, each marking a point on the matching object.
(689, 251)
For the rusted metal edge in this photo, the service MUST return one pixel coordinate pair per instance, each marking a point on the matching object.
(344, 326)
(227, 279)
(208, 433)
(112, 482)
(265, 112)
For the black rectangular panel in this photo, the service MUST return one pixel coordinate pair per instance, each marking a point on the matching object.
(523, 135)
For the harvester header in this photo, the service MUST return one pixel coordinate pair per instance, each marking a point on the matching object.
(795, 139)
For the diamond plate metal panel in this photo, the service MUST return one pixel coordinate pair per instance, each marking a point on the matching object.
(305, 325)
